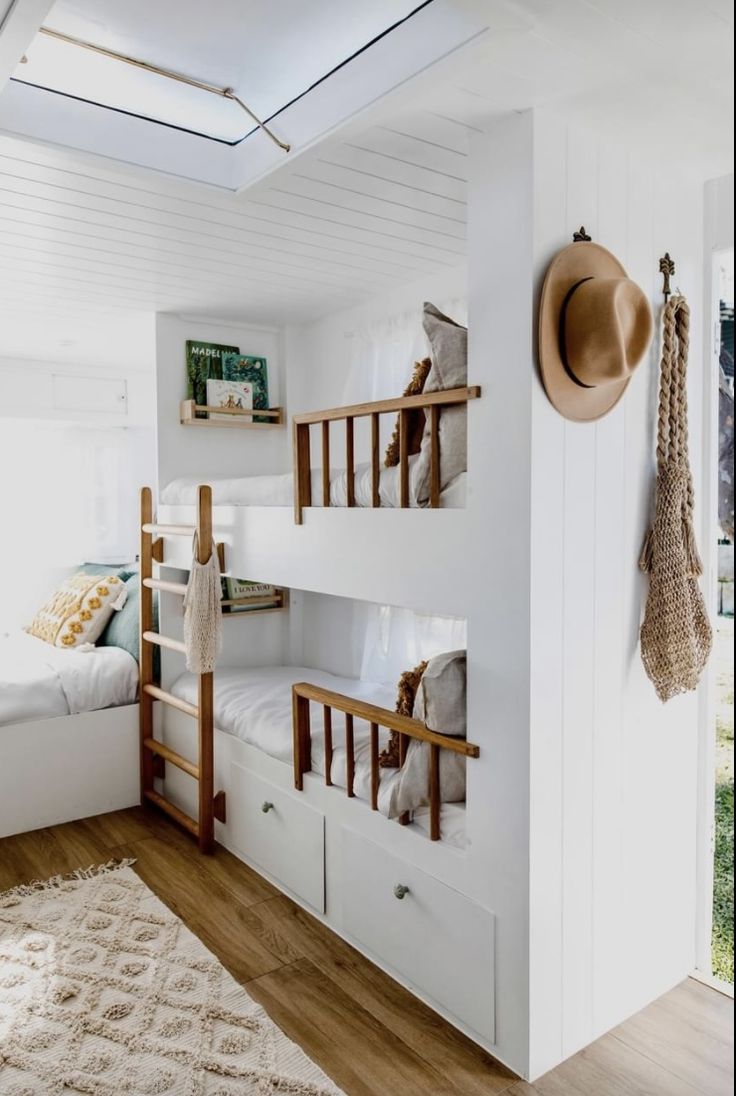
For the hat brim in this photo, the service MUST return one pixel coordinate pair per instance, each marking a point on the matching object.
(575, 262)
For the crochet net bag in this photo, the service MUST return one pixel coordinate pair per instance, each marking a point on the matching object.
(676, 636)
(203, 614)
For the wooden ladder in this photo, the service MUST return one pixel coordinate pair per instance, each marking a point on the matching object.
(155, 754)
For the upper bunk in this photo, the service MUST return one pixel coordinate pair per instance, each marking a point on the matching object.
(374, 484)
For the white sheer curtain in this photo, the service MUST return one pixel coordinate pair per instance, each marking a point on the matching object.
(69, 494)
(382, 353)
(380, 361)
(398, 639)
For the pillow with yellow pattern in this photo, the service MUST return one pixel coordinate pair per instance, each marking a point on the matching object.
(79, 611)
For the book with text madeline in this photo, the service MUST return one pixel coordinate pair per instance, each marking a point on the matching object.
(203, 363)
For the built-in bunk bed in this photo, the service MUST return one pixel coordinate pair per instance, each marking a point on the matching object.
(292, 768)
(68, 703)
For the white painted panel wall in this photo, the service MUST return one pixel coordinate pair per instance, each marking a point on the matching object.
(210, 453)
(612, 771)
(188, 451)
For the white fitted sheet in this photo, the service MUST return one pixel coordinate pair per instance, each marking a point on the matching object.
(38, 681)
(254, 705)
(278, 490)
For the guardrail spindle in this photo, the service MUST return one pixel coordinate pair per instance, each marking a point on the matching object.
(350, 753)
(325, 463)
(374, 767)
(350, 459)
(328, 744)
(375, 460)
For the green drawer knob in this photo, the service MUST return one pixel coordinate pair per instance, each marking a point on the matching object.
(400, 891)
(266, 807)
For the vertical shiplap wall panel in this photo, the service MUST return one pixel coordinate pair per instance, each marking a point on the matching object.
(547, 604)
(608, 674)
(621, 897)
(579, 572)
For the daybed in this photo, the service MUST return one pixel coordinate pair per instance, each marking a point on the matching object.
(68, 722)
(39, 681)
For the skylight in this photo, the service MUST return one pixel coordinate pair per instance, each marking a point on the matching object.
(268, 54)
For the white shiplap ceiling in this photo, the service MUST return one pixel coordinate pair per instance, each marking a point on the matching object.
(379, 203)
(350, 219)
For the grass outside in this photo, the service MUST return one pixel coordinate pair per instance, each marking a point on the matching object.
(722, 941)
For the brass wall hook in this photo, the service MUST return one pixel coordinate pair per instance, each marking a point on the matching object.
(667, 269)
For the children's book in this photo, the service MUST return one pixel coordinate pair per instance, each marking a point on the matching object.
(251, 370)
(204, 360)
(233, 395)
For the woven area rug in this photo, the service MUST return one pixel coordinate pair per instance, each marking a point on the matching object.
(104, 991)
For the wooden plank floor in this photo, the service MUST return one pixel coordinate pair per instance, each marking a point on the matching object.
(371, 1036)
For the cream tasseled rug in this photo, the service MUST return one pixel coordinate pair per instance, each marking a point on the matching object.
(104, 991)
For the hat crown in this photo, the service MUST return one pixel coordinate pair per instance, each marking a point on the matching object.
(606, 327)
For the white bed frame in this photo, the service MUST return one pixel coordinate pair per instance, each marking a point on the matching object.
(74, 766)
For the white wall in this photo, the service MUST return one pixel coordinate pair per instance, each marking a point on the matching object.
(611, 771)
(210, 453)
(189, 451)
(66, 381)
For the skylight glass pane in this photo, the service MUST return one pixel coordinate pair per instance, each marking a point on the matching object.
(269, 53)
(60, 66)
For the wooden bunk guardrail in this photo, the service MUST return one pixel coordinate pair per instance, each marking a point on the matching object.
(431, 402)
(303, 694)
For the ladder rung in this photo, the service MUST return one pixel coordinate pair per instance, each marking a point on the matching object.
(165, 641)
(173, 812)
(169, 530)
(171, 755)
(165, 587)
(173, 701)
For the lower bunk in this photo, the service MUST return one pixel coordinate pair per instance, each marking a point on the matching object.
(404, 901)
(256, 706)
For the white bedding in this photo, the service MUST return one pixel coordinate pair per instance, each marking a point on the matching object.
(254, 705)
(279, 490)
(38, 681)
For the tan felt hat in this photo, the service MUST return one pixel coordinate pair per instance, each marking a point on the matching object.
(595, 326)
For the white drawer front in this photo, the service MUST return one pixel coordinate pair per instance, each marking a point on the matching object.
(441, 941)
(279, 832)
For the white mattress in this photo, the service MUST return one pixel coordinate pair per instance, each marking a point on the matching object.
(38, 681)
(254, 705)
(279, 490)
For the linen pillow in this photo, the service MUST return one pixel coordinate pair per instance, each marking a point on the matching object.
(124, 627)
(408, 684)
(122, 570)
(441, 705)
(78, 611)
(416, 416)
(449, 343)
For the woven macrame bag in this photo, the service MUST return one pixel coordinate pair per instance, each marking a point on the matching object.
(676, 636)
(203, 613)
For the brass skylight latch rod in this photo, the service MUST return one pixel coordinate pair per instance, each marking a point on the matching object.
(224, 93)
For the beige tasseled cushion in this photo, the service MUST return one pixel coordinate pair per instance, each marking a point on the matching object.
(79, 611)
(417, 417)
(440, 705)
(408, 685)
